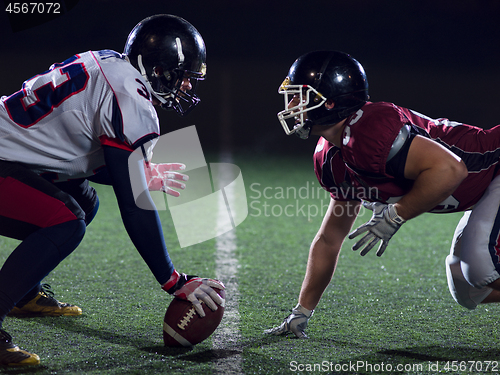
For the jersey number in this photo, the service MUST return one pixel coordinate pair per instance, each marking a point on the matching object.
(27, 107)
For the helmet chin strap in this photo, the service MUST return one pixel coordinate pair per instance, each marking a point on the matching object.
(305, 131)
(165, 103)
(148, 84)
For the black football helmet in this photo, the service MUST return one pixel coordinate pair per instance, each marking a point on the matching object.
(318, 77)
(166, 49)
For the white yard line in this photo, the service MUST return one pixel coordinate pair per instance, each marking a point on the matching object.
(227, 336)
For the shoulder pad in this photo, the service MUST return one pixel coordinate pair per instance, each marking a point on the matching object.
(399, 142)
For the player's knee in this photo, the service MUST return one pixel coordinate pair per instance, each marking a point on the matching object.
(89, 216)
(457, 284)
(479, 277)
(462, 290)
(66, 236)
(71, 210)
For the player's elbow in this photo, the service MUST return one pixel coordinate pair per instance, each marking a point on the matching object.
(459, 172)
(449, 176)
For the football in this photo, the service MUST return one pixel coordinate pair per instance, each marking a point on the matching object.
(183, 327)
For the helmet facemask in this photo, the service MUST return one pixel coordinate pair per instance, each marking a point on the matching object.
(294, 119)
(167, 89)
(320, 78)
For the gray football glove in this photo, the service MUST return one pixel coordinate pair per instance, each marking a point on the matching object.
(384, 223)
(296, 323)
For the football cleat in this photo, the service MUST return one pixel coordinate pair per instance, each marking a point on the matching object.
(11, 355)
(44, 304)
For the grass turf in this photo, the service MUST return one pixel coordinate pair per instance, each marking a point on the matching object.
(391, 314)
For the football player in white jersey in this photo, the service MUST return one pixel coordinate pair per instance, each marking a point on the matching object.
(79, 121)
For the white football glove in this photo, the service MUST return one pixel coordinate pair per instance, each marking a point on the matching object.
(384, 223)
(160, 177)
(194, 289)
(296, 323)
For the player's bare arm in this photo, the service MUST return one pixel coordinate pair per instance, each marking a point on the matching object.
(437, 173)
(325, 250)
(323, 257)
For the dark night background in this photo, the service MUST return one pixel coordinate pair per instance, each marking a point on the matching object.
(440, 58)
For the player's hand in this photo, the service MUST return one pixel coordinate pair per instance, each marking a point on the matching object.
(194, 289)
(296, 323)
(384, 223)
(162, 177)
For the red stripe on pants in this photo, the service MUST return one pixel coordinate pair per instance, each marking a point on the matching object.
(22, 202)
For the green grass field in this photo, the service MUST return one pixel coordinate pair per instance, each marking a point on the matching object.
(392, 314)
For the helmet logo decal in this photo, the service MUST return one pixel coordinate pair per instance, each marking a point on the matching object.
(141, 67)
(203, 70)
(179, 51)
(285, 83)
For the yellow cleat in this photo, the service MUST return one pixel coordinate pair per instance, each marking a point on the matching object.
(11, 355)
(44, 304)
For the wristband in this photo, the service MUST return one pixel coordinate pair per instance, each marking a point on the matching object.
(393, 215)
(172, 281)
(303, 310)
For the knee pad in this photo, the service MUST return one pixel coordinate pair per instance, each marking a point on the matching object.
(462, 292)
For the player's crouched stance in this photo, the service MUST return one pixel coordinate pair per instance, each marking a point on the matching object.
(101, 108)
(400, 164)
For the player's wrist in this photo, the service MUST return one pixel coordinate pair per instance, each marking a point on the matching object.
(393, 215)
(308, 313)
(172, 282)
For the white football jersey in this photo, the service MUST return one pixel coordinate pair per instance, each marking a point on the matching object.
(60, 119)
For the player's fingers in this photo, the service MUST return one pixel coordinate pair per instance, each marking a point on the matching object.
(214, 283)
(213, 295)
(176, 176)
(175, 184)
(217, 298)
(367, 237)
(368, 205)
(279, 330)
(382, 248)
(169, 191)
(300, 333)
(164, 167)
(361, 229)
(206, 294)
(210, 302)
(369, 246)
(196, 304)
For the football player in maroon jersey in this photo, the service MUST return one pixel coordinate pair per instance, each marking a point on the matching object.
(397, 163)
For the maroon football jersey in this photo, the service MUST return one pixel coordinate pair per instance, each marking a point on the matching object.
(357, 170)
